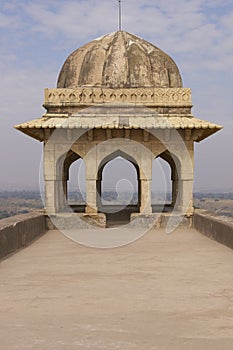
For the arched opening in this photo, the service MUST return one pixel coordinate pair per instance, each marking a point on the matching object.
(165, 169)
(76, 186)
(161, 187)
(118, 188)
(71, 183)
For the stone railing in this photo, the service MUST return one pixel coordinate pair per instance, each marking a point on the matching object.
(19, 231)
(218, 228)
(177, 97)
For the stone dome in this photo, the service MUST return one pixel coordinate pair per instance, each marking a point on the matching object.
(119, 60)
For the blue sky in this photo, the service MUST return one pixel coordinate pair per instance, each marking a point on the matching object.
(36, 37)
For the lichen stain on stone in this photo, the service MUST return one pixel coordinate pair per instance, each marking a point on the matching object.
(91, 71)
(139, 67)
(116, 65)
(119, 60)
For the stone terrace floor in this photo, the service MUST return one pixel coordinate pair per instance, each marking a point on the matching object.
(161, 292)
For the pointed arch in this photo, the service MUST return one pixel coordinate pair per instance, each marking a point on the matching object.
(170, 191)
(115, 154)
(63, 165)
(122, 210)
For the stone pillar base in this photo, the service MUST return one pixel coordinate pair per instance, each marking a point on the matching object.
(186, 211)
(91, 210)
(50, 210)
(146, 211)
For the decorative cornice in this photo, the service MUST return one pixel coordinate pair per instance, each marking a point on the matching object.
(151, 97)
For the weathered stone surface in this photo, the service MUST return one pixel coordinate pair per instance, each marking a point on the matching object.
(214, 226)
(118, 87)
(164, 292)
(169, 97)
(19, 231)
(65, 221)
(119, 60)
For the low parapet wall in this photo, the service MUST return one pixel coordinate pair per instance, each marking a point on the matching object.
(19, 231)
(216, 227)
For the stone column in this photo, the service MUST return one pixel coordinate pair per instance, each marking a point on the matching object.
(139, 194)
(175, 186)
(62, 202)
(91, 207)
(65, 189)
(145, 169)
(98, 193)
(64, 193)
(145, 188)
(50, 196)
(185, 196)
(182, 177)
(50, 185)
(175, 191)
(55, 199)
(91, 178)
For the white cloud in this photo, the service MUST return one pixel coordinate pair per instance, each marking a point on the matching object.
(9, 22)
(182, 27)
(76, 19)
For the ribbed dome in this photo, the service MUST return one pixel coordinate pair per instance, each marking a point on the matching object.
(119, 60)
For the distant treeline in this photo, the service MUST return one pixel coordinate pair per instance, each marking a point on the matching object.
(24, 201)
(75, 195)
(6, 214)
(224, 195)
(20, 194)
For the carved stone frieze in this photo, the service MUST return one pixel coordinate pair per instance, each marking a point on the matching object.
(177, 97)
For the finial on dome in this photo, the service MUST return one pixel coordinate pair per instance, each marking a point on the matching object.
(120, 14)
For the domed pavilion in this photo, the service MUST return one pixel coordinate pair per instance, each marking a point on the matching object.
(118, 95)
